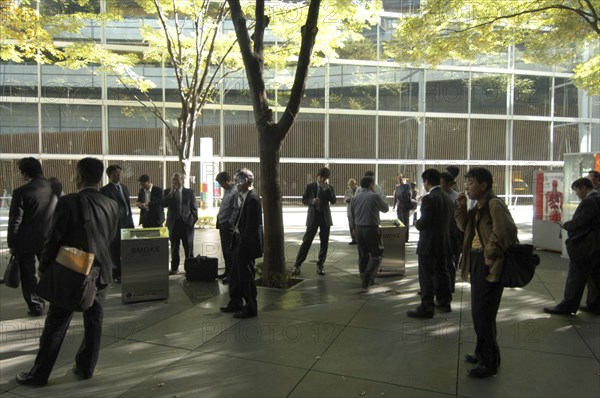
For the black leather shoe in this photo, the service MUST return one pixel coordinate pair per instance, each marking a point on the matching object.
(482, 371)
(230, 310)
(352, 243)
(225, 280)
(25, 379)
(81, 374)
(589, 310)
(420, 313)
(444, 309)
(557, 310)
(471, 358)
(117, 280)
(244, 315)
(320, 270)
(36, 311)
(364, 281)
(221, 276)
(296, 271)
(173, 272)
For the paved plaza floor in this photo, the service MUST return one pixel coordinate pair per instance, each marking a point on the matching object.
(325, 337)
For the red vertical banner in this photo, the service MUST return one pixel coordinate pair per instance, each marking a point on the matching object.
(539, 196)
(597, 162)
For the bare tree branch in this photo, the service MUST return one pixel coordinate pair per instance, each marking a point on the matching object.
(153, 109)
(176, 60)
(309, 33)
(590, 18)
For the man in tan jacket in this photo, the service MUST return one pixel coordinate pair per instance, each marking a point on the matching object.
(489, 231)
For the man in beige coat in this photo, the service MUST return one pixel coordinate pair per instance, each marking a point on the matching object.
(489, 231)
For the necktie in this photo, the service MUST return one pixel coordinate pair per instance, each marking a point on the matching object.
(178, 202)
(123, 198)
(318, 206)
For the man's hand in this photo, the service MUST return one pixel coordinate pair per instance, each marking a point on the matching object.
(461, 199)
(489, 261)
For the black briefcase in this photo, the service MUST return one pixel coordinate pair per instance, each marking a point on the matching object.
(201, 268)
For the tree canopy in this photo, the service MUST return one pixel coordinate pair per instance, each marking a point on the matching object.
(551, 32)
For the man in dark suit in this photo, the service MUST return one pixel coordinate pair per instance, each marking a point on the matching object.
(68, 229)
(434, 247)
(181, 217)
(152, 213)
(586, 220)
(248, 246)
(120, 194)
(31, 210)
(317, 196)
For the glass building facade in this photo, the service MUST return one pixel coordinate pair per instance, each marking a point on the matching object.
(360, 112)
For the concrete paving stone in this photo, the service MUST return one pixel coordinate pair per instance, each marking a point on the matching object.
(324, 385)
(533, 374)
(188, 329)
(121, 367)
(275, 340)
(394, 358)
(201, 374)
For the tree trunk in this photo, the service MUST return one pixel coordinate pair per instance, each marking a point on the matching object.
(274, 270)
(185, 149)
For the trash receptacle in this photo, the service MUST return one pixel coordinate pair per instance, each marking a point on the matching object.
(393, 234)
(144, 264)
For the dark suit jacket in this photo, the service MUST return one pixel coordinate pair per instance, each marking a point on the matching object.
(189, 207)
(154, 215)
(30, 216)
(125, 217)
(585, 218)
(250, 227)
(68, 229)
(326, 196)
(437, 211)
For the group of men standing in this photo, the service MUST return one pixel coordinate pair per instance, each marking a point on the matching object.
(40, 223)
(241, 231)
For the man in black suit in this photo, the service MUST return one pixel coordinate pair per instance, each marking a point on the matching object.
(181, 217)
(68, 229)
(31, 210)
(120, 194)
(317, 196)
(248, 246)
(152, 213)
(434, 247)
(585, 221)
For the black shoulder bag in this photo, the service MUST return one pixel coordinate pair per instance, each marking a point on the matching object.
(519, 264)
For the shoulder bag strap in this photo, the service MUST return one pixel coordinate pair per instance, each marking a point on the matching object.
(85, 211)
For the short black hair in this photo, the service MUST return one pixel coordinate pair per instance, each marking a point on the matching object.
(31, 167)
(431, 175)
(110, 169)
(582, 183)
(454, 170)
(366, 182)
(481, 174)
(369, 173)
(90, 170)
(446, 176)
(144, 178)
(594, 173)
(222, 177)
(324, 172)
